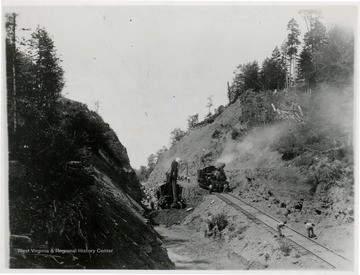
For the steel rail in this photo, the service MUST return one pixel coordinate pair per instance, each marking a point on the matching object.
(291, 228)
(253, 217)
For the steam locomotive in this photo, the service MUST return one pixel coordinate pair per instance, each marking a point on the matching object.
(213, 178)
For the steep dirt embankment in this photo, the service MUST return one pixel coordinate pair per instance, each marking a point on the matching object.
(207, 142)
(215, 143)
(312, 186)
(90, 215)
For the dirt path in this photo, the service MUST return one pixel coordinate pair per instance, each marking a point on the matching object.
(190, 250)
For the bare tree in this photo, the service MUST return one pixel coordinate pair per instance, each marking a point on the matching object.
(209, 105)
(97, 106)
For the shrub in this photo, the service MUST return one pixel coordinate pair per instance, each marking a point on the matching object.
(288, 145)
(235, 134)
(321, 133)
(176, 135)
(284, 247)
(210, 120)
(256, 108)
(304, 160)
(221, 221)
(216, 134)
(303, 137)
(325, 172)
(220, 109)
(313, 137)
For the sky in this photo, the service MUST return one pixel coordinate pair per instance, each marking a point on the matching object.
(152, 66)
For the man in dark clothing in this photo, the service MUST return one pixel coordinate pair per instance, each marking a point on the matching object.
(173, 178)
(220, 176)
(209, 225)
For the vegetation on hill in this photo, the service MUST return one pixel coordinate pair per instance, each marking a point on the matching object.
(292, 132)
(73, 196)
(292, 84)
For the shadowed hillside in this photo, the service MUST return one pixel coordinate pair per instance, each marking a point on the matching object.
(87, 216)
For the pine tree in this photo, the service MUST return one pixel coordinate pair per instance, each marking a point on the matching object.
(34, 84)
(246, 77)
(293, 41)
(316, 36)
(292, 45)
(273, 72)
(314, 39)
(48, 73)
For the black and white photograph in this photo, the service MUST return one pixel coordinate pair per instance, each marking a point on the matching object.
(187, 136)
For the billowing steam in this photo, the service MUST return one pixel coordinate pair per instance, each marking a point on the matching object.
(332, 111)
(251, 145)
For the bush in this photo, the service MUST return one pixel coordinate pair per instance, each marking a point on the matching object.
(302, 137)
(221, 221)
(325, 172)
(210, 120)
(304, 160)
(176, 135)
(284, 247)
(289, 144)
(313, 137)
(220, 109)
(235, 134)
(322, 131)
(216, 134)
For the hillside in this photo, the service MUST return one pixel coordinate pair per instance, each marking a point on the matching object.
(76, 202)
(302, 171)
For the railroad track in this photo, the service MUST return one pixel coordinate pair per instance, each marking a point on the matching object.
(299, 240)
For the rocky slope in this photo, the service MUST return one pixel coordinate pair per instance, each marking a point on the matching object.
(312, 185)
(86, 213)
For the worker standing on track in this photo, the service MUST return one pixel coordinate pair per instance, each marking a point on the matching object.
(310, 229)
(209, 225)
(280, 226)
